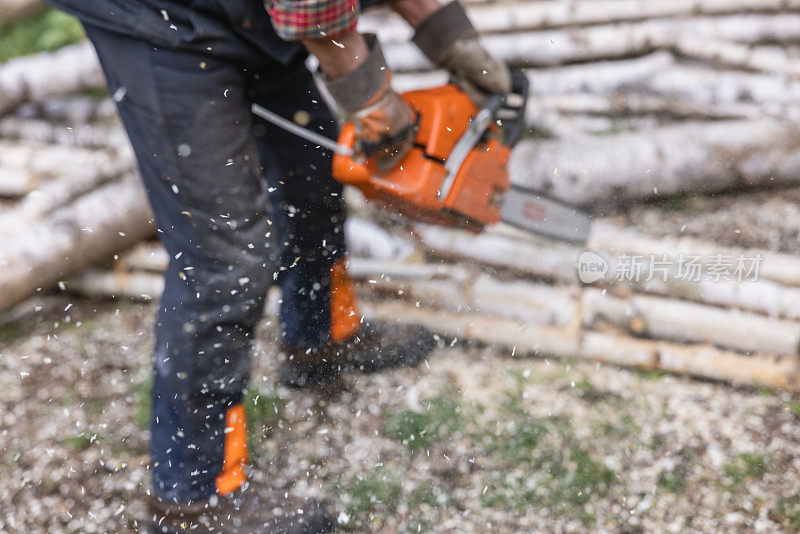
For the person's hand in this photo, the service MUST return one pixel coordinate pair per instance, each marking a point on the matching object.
(385, 128)
(385, 123)
(450, 41)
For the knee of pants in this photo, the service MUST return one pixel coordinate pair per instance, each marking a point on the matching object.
(209, 311)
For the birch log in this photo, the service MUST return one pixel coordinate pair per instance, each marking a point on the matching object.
(33, 78)
(592, 43)
(93, 227)
(696, 360)
(641, 315)
(772, 59)
(55, 194)
(558, 262)
(142, 286)
(694, 157)
(78, 135)
(782, 268)
(517, 16)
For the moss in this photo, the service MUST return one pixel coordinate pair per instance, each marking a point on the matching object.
(46, 30)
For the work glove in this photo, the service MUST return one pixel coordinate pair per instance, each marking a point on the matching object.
(386, 125)
(449, 40)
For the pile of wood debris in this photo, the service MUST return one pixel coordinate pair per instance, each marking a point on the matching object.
(631, 100)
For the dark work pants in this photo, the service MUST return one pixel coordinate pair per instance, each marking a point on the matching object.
(239, 204)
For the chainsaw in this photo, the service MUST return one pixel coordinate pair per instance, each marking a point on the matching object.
(456, 173)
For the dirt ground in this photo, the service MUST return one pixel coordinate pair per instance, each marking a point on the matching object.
(471, 441)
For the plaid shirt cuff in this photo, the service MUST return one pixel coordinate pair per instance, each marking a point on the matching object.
(295, 20)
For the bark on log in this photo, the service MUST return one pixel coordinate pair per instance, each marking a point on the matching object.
(771, 60)
(553, 261)
(518, 16)
(627, 105)
(540, 259)
(601, 77)
(79, 135)
(694, 157)
(531, 303)
(781, 268)
(716, 86)
(657, 75)
(35, 78)
(72, 109)
(140, 286)
(559, 47)
(96, 225)
(55, 194)
(696, 360)
(675, 320)
(54, 160)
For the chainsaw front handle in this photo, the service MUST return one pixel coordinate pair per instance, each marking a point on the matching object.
(515, 105)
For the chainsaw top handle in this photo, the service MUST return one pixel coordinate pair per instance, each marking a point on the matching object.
(513, 107)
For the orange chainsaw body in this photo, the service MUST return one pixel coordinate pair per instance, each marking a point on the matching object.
(413, 187)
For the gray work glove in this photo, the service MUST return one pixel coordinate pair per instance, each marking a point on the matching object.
(449, 40)
(386, 126)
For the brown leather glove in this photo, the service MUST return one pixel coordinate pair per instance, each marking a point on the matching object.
(449, 40)
(386, 125)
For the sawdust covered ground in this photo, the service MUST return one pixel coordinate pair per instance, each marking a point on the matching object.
(476, 440)
(473, 441)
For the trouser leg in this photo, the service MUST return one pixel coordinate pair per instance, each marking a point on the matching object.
(317, 304)
(188, 118)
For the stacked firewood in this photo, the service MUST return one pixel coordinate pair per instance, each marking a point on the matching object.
(630, 100)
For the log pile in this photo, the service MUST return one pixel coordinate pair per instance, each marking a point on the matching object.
(630, 100)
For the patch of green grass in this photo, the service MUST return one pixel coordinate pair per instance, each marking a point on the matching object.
(442, 416)
(47, 30)
(541, 462)
(93, 407)
(418, 524)
(434, 495)
(656, 442)
(651, 374)
(764, 391)
(374, 497)
(672, 481)
(746, 465)
(10, 332)
(792, 406)
(262, 413)
(144, 402)
(423, 495)
(80, 442)
(787, 512)
(586, 390)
